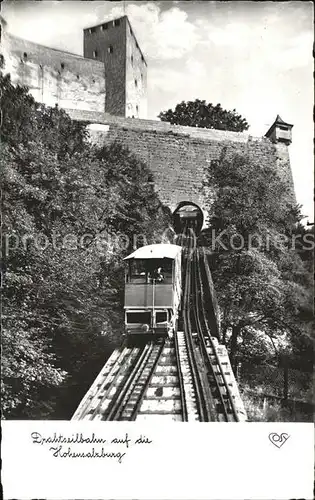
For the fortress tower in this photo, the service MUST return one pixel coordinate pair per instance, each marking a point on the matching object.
(115, 44)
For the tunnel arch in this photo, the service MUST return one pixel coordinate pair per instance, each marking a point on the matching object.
(188, 212)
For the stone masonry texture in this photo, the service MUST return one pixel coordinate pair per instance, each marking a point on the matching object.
(179, 157)
(109, 46)
(115, 44)
(54, 76)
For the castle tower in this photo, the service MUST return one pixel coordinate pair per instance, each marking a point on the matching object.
(115, 44)
(280, 133)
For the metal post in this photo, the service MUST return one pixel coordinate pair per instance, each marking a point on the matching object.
(153, 322)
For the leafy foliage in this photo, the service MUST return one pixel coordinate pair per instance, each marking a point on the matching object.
(65, 204)
(262, 280)
(200, 114)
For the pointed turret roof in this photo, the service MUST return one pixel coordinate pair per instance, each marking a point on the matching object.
(278, 121)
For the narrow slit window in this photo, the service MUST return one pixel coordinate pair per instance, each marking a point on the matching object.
(136, 83)
(95, 54)
(110, 49)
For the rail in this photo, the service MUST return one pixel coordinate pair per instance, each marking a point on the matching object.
(127, 402)
(180, 381)
(205, 332)
(202, 405)
(122, 386)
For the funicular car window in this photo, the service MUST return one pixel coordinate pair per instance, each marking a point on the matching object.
(160, 317)
(138, 271)
(160, 271)
(167, 269)
(150, 270)
(139, 317)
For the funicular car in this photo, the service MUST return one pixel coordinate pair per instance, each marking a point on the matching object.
(153, 290)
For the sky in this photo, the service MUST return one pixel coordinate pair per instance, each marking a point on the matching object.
(255, 57)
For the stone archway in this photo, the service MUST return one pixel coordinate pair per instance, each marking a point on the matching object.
(188, 213)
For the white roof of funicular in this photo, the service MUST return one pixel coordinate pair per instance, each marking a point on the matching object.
(159, 251)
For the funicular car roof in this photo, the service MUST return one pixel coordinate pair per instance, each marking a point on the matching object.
(158, 251)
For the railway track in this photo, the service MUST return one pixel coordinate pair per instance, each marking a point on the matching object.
(162, 400)
(187, 378)
(217, 373)
(210, 381)
(202, 409)
(127, 403)
(114, 372)
(136, 384)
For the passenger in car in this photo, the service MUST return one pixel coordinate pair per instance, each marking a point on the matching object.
(157, 275)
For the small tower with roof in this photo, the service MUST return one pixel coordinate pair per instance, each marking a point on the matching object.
(280, 131)
(280, 134)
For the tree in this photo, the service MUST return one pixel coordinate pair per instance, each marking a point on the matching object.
(262, 282)
(200, 114)
(65, 204)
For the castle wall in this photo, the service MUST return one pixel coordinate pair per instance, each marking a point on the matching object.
(284, 166)
(54, 76)
(178, 156)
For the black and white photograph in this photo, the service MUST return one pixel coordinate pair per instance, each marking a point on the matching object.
(157, 212)
(157, 230)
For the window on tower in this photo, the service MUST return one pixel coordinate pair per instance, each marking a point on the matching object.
(110, 49)
(92, 30)
(137, 109)
(95, 53)
(136, 83)
(116, 22)
(104, 26)
(131, 58)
